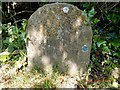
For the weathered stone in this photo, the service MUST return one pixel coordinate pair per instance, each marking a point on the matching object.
(58, 35)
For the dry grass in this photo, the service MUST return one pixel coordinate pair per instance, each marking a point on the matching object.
(12, 76)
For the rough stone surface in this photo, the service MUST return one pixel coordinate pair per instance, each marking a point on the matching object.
(59, 36)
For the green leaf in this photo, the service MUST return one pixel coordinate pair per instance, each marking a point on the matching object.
(6, 40)
(86, 5)
(96, 20)
(115, 43)
(106, 49)
(91, 13)
(24, 23)
(117, 54)
(11, 40)
(10, 48)
(87, 20)
(4, 58)
(100, 43)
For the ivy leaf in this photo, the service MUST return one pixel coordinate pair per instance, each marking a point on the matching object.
(115, 43)
(91, 13)
(10, 48)
(96, 20)
(100, 43)
(117, 54)
(106, 49)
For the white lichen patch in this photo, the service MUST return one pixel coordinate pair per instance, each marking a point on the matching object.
(78, 22)
(59, 32)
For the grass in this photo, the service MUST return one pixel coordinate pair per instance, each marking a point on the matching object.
(13, 77)
(14, 74)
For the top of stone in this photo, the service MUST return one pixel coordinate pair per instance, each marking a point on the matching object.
(56, 16)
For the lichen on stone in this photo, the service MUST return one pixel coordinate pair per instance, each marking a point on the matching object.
(59, 33)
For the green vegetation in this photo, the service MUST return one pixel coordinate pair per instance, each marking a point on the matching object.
(105, 53)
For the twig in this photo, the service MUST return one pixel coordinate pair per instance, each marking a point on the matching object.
(111, 7)
(20, 13)
(107, 24)
(15, 52)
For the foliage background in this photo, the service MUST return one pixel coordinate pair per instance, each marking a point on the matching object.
(104, 18)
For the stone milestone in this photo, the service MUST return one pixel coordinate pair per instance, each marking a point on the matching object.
(59, 37)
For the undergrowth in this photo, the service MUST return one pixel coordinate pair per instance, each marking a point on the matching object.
(105, 54)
